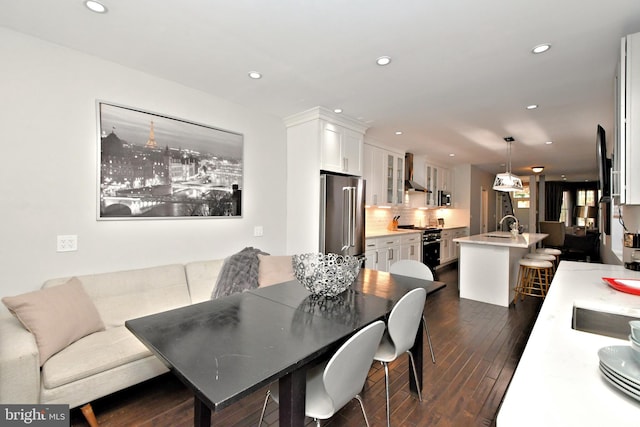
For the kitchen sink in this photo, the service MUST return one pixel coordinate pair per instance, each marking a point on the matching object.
(601, 322)
(500, 236)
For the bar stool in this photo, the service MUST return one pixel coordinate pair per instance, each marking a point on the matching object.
(551, 251)
(543, 257)
(533, 278)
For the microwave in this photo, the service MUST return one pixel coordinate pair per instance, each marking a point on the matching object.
(444, 198)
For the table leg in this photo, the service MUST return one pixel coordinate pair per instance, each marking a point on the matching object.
(201, 413)
(417, 351)
(292, 388)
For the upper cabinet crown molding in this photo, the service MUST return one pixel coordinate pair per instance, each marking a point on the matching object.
(322, 113)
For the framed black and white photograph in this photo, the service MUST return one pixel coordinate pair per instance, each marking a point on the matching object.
(155, 166)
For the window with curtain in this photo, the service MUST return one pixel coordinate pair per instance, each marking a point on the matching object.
(565, 208)
(522, 198)
(586, 198)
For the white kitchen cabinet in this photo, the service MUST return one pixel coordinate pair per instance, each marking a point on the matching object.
(371, 173)
(446, 183)
(437, 178)
(431, 183)
(372, 258)
(627, 143)
(449, 250)
(411, 246)
(384, 172)
(394, 178)
(381, 252)
(388, 251)
(341, 149)
(457, 233)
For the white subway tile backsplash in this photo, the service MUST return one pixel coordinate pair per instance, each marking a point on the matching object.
(379, 218)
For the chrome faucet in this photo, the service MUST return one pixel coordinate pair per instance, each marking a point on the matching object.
(515, 226)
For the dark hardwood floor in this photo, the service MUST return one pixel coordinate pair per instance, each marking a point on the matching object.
(477, 348)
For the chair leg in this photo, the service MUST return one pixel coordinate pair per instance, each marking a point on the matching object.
(264, 407)
(364, 414)
(426, 329)
(415, 374)
(386, 384)
(87, 411)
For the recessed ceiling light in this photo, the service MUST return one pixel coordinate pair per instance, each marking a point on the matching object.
(383, 60)
(541, 48)
(549, 142)
(95, 6)
(452, 155)
(532, 106)
(337, 110)
(398, 132)
(255, 75)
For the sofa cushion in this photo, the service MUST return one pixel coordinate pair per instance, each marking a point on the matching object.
(128, 294)
(93, 354)
(274, 269)
(202, 277)
(56, 316)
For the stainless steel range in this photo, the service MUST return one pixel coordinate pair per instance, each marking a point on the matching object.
(430, 245)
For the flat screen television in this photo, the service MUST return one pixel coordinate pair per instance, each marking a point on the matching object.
(604, 166)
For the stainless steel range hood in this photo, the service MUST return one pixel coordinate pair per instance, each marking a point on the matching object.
(409, 183)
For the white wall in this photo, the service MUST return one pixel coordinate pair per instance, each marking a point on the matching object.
(461, 194)
(479, 179)
(48, 177)
(303, 214)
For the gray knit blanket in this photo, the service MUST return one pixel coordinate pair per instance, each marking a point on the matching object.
(239, 273)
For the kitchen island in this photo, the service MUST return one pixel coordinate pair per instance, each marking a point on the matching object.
(488, 264)
(557, 381)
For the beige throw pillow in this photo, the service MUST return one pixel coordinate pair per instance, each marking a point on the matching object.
(274, 269)
(57, 316)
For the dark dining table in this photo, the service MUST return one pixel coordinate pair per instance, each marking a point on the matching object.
(227, 348)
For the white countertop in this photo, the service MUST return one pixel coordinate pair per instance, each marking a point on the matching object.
(384, 233)
(503, 238)
(558, 382)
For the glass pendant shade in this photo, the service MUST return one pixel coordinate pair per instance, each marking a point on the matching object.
(507, 181)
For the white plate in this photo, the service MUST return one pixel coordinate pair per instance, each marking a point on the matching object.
(617, 384)
(629, 384)
(620, 359)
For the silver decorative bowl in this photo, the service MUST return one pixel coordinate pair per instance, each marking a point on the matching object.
(325, 275)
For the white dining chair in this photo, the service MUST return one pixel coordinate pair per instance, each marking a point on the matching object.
(333, 384)
(400, 336)
(412, 268)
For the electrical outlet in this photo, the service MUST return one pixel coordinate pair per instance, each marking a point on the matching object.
(67, 243)
(258, 231)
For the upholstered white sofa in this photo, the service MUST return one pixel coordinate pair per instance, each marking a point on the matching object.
(110, 358)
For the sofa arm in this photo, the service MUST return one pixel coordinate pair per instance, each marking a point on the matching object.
(19, 363)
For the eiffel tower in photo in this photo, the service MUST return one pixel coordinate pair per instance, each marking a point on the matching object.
(151, 143)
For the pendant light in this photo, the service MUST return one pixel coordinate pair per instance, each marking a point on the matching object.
(507, 181)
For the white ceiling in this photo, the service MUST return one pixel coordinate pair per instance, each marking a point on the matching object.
(461, 76)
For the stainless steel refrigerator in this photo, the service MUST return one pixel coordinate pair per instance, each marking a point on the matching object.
(342, 214)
